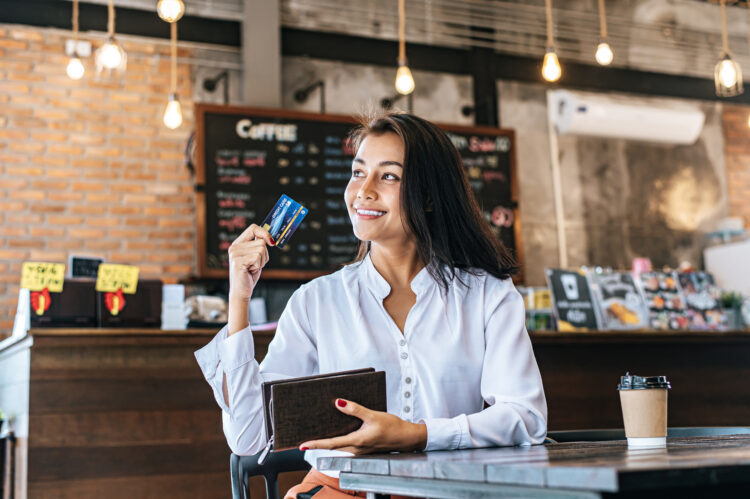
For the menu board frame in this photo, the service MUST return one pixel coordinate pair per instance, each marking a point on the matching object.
(201, 110)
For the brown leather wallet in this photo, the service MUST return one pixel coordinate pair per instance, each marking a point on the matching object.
(301, 409)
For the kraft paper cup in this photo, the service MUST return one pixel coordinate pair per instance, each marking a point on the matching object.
(644, 410)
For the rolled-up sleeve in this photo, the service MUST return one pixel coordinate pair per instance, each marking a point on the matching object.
(291, 353)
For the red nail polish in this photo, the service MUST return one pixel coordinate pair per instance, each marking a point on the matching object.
(273, 242)
(303, 448)
(341, 403)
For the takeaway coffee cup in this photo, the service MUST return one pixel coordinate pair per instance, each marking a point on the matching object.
(644, 409)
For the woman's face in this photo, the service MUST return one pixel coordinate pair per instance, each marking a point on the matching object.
(372, 196)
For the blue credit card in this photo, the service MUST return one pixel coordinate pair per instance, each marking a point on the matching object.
(284, 219)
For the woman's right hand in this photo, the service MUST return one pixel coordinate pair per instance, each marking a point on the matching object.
(248, 254)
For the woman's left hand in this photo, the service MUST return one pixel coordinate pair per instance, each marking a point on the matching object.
(380, 431)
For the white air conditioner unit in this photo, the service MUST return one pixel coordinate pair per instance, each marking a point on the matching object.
(603, 116)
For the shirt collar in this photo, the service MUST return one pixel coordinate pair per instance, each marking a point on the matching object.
(380, 287)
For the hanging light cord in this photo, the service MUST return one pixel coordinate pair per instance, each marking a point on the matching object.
(724, 38)
(401, 32)
(602, 20)
(548, 9)
(111, 18)
(75, 21)
(173, 46)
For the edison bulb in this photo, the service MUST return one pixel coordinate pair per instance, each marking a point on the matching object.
(551, 70)
(173, 113)
(109, 55)
(404, 80)
(727, 73)
(170, 10)
(75, 68)
(604, 55)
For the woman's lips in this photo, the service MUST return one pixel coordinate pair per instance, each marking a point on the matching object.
(364, 214)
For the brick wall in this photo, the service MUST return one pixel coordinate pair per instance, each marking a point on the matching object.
(737, 150)
(87, 167)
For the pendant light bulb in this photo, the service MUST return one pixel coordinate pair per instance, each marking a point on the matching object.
(173, 112)
(551, 70)
(110, 55)
(727, 73)
(170, 10)
(604, 54)
(404, 80)
(75, 68)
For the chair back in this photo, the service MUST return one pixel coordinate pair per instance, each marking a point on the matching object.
(244, 467)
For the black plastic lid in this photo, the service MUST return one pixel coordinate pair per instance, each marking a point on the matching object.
(633, 382)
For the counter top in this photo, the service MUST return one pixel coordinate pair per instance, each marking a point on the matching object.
(537, 337)
(643, 336)
(198, 334)
(271, 328)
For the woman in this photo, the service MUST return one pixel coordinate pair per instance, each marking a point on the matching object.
(429, 300)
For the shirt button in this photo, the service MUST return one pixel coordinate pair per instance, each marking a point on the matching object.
(407, 394)
(404, 355)
(402, 342)
(407, 380)
(407, 409)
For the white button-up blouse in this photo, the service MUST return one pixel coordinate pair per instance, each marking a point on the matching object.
(459, 349)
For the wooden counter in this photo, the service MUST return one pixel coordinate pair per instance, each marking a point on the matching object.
(708, 372)
(127, 413)
(117, 413)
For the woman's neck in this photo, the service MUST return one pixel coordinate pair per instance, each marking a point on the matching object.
(397, 264)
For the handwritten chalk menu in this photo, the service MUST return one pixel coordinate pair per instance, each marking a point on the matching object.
(248, 157)
(83, 267)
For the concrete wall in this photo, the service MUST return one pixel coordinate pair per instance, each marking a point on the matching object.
(357, 88)
(622, 198)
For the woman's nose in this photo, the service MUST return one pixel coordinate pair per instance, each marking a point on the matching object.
(367, 190)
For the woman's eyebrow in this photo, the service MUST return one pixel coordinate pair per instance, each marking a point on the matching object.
(390, 163)
(382, 163)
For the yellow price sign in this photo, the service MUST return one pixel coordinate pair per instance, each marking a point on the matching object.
(36, 276)
(112, 277)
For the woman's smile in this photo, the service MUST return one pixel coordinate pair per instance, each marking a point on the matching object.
(368, 213)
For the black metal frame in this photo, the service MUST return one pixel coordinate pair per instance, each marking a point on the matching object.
(244, 467)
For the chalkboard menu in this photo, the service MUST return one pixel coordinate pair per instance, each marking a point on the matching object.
(248, 157)
(83, 267)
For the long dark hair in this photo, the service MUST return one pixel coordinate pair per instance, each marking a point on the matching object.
(437, 204)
